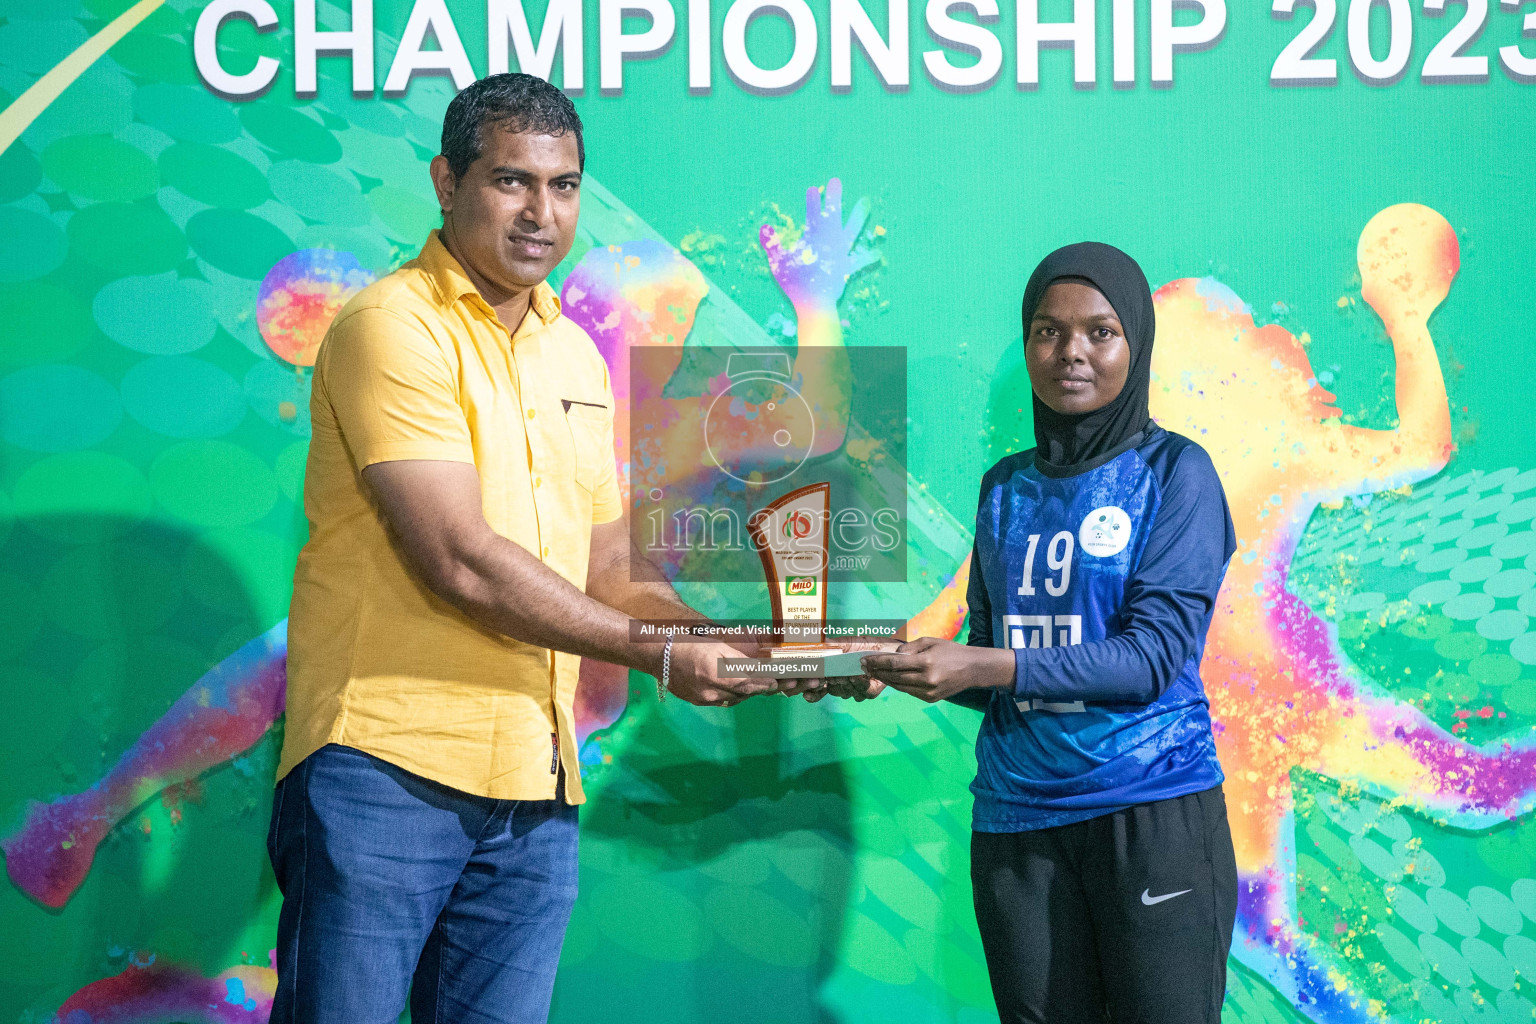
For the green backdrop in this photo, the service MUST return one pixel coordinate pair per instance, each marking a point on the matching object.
(167, 253)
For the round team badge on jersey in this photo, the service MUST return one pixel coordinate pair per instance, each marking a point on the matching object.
(1105, 532)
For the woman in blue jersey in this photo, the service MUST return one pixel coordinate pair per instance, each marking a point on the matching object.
(1102, 865)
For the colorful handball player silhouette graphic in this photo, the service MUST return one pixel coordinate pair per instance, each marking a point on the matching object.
(637, 293)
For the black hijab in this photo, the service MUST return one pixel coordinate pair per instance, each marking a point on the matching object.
(1067, 445)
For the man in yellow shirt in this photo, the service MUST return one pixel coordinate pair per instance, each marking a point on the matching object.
(467, 547)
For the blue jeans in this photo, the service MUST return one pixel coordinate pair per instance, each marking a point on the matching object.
(393, 884)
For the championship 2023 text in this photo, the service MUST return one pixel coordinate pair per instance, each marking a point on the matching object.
(957, 52)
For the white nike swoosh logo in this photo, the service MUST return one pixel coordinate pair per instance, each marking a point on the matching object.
(1149, 900)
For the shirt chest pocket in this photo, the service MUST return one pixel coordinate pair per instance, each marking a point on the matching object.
(591, 427)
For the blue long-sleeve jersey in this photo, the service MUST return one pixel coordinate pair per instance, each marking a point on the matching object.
(1103, 583)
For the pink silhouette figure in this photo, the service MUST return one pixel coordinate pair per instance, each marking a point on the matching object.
(149, 995)
(225, 712)
(641, 293)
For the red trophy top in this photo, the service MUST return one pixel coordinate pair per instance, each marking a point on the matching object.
(791, 538)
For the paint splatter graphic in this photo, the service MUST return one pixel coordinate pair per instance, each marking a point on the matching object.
(1281, 696)
(1289, 707)
(149, 995)
(223, 714)
(301, 295)
(160, 243)
(641, 293)
(645, 294)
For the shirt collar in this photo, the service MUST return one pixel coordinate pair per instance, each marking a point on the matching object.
(546, 304)
(452, 283)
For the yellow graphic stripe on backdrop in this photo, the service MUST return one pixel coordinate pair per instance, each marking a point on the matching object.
(15, 118)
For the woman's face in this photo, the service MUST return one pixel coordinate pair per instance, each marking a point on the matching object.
(1075, 349)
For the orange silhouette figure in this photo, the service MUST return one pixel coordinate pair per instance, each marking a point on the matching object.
(1280, 696)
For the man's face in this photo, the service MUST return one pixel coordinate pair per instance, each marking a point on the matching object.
(511, 218)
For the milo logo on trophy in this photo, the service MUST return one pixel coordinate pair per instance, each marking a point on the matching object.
(791, 539)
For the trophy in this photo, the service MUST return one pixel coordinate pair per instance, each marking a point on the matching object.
(790, 535)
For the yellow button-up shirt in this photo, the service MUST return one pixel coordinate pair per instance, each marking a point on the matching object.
(417, 366)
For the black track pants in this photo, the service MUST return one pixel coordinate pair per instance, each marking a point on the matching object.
(1125, 918)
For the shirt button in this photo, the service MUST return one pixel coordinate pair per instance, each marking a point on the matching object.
(538, 481)
(546, 550)
(530, 413)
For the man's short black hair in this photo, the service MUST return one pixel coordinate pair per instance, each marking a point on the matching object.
(513, 102)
